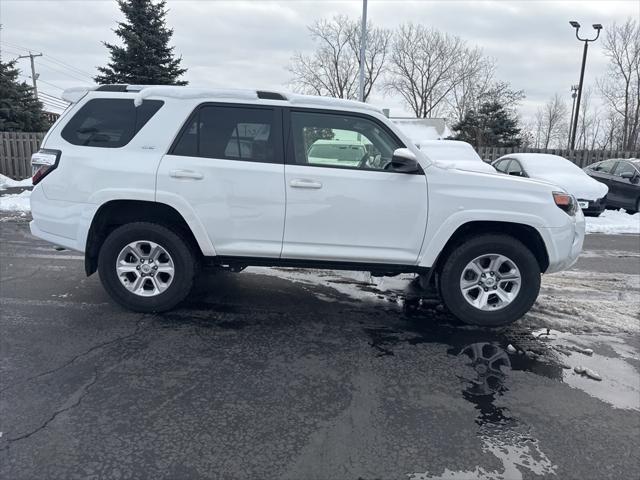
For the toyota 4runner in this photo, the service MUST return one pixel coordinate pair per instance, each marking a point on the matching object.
(152, 183)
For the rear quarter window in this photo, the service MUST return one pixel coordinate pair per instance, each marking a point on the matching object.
(108, 122)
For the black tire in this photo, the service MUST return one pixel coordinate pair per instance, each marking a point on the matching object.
(486, 244)
(631, 211)
(179, 249)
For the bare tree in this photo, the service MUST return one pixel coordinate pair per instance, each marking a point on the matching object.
(551, 119)
(332, 69)
(620, 87)
(426, 65)
(466, 95)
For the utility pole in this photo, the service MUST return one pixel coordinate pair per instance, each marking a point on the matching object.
(34, 76)
(597, 27)
(363, 47)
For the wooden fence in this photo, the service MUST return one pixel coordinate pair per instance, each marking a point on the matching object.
(16, 149)
(582, 158)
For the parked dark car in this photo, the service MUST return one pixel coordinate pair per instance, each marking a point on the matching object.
(622, 176)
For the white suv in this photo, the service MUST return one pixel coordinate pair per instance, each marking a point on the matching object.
(152, 183)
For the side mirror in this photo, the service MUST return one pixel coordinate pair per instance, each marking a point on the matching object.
(628, 175)
(405, 161)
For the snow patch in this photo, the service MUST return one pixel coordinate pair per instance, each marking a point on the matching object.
(170, 91)
(6, 182)
(20, 202)
(295, 98)
(613, 222)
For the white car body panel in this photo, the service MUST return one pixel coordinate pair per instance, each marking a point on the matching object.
(250, 209)
(241, 204)
(349, 215)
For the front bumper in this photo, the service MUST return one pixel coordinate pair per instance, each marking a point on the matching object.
(564, 244)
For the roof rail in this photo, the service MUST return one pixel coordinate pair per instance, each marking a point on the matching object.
(112, 88)
(264, 95)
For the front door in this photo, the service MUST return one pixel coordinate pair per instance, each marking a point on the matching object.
(343, 201)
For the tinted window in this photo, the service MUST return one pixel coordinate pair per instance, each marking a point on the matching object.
(604, 167)
(623, 167)
(230, 133)
(108, 122)
(324, 139)
(501, 165)
(515, 168)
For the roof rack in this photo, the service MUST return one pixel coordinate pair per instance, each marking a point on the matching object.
(264, 95)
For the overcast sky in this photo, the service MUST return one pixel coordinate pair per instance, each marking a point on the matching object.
(248, 44)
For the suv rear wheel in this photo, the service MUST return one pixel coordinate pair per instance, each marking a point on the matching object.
(146, 267)
(490, 280)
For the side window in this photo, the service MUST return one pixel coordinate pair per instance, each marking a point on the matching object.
(515, 168)
(501, 166)
(605, 167)
(623, 167)
(231, 133)
(342, 141)
(108, 122)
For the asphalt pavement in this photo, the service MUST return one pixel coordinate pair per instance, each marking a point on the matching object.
(260, 376)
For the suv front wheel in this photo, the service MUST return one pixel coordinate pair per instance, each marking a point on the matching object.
(146, 267)
(490, 280)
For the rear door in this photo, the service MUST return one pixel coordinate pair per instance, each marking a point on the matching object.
(228, 165)
(346, 209)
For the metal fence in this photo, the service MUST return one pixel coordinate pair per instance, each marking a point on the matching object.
(16, 149)
(582, 158)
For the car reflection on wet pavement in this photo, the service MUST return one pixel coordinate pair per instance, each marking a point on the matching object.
(308, 375)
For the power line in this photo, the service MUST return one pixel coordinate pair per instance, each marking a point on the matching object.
(63, 73)
(50, 84)
(52, 59)
(54, 99)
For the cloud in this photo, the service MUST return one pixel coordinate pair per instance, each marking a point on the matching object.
(249, 44)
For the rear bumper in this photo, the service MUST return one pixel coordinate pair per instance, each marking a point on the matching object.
(62, 223)
(595, 207)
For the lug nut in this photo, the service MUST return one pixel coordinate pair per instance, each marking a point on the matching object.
(483, 275)
(495, 288)
(138, 267)
(491, 273)
(155, 267)
(486, 289)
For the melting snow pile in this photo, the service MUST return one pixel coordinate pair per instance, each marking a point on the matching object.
(6, 182)
(613, 221)
(18, 202)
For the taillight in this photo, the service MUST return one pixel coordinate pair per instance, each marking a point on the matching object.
(565, 202)
(43, 162)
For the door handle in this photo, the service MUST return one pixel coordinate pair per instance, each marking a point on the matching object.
(303, 183)
(186, 174)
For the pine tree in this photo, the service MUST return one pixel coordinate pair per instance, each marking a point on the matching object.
(20, 111)
(492, 125)
(146, 57)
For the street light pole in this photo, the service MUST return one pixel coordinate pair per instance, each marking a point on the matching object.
(574, 89)
(597, 27)
(363, 46)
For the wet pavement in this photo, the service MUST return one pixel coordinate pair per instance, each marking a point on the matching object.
(313, 375)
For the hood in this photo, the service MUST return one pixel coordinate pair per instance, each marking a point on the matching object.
(580, 185)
